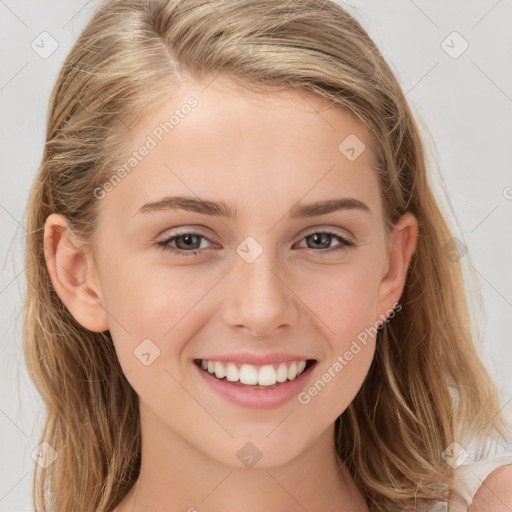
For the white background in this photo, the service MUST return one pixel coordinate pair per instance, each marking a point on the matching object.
(466, 103)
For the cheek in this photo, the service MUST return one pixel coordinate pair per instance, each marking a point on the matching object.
(155, 303)
(344, 302)
(344, 298)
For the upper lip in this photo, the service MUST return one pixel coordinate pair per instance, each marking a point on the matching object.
(255, 359)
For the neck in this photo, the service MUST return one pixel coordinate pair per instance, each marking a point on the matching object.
(176, 476)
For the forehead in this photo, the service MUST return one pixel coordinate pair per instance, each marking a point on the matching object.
(221, 141)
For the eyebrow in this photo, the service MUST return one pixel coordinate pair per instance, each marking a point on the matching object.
(221, 209)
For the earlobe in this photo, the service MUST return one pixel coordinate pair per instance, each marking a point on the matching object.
(403, 245)
(72, 276)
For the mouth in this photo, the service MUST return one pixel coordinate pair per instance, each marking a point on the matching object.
(264, 377)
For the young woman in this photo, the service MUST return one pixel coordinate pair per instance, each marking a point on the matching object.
(241, 296)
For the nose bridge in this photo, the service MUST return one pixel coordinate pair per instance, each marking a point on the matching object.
(258, 297)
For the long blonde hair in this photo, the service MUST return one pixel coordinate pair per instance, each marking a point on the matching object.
(426, 387)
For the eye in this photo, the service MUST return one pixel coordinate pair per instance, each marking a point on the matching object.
(324, 238)
(184, 241)
(188, 242)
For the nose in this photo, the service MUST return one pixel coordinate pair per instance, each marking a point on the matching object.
(259, 299)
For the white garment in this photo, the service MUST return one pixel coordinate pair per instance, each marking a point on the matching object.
(472, 476)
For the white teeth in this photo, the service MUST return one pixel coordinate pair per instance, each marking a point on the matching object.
(248, 374)
(265, 375)
(232, 373)
(220, 371)
(292, 371)
(282, 373)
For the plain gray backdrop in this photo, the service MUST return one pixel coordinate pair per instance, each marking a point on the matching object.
(452, 58)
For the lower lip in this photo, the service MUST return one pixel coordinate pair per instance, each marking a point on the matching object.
(246, 396)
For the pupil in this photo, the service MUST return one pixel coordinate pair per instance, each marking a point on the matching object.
(318, 236)
(188, 239)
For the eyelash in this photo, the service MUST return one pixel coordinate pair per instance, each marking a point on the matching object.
(345, 243)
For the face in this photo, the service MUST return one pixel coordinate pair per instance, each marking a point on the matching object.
(253, 277)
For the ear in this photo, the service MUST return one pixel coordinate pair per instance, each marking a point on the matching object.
(72, 273)
(403, 244)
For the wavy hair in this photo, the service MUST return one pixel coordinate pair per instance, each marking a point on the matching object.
(426, 386)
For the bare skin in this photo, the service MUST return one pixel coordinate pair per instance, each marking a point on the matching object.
(262, 154)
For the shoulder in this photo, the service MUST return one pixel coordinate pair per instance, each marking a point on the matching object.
(495, 492)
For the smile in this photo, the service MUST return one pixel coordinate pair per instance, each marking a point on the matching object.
(258, 376)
